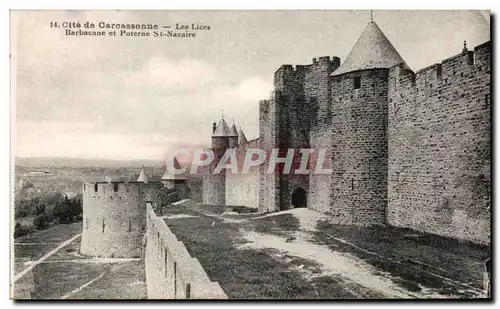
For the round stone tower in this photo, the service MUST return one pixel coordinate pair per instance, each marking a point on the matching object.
(214, 186)
(220, 139)
(359, 105)
(114, 217)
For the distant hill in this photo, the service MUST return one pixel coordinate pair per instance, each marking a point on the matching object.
(76, 162)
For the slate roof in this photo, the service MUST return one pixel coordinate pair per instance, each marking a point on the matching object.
(233, 131)
(222, 129)
(372, 50)
(241, 137)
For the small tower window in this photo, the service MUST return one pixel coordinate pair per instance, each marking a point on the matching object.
(357, 82)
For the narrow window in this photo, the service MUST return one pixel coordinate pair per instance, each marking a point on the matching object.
(95, 187)
(188, 290)
(175, 279)
(103, 225)
(115, 187)
(129, 225)
(357, 82)
(166, 262)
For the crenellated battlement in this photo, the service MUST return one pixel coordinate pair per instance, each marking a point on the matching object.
(102, 188)
(450, 70)
(289, 69)
(335, 61)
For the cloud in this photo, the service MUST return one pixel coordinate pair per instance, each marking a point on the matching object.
(133, 97)
(142, 125)
(164, 72)
(84, 140)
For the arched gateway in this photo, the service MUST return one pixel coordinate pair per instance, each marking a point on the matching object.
(299, 198)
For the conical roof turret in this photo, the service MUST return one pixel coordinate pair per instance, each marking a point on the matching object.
(222, 129)
(373, 50)
(142, 177)
(233, 131)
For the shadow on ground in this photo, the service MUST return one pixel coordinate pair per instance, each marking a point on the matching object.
(416, 260)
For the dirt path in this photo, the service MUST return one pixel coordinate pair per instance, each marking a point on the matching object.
(295, 235)
(94, 261)
(333, 263)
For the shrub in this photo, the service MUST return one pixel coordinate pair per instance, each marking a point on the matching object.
(21, 230)
(42, 221)
(63, 212)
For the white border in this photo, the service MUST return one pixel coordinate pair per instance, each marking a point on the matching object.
(184, 4)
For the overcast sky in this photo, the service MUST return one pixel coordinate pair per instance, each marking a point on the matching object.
(136, 98)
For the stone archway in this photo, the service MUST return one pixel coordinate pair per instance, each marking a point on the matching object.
(299, 198)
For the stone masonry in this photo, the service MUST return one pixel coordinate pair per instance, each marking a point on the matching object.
(406, 149)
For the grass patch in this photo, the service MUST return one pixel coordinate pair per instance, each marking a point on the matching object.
(346, 289)
(280, 225)
(414, 255)
(33, 246)
(70, 252)
(53, 280)
(248, 273)
(32, 252)
(56, 234)
(122, 281)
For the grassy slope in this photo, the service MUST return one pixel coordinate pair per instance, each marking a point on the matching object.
(53, 279)
(411, 256)
(247, 273)
(407, 256)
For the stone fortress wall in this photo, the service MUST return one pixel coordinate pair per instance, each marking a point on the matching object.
(396, 145)
(296, 116)
(171, 272)
(243, 189)
(439, 146)
(406, 149)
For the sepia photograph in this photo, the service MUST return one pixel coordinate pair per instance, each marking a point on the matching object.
(250, 154)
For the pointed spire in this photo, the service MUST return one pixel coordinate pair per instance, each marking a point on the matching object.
(371, 15)
(143, 177)
(372, 51)
(234, 131)
(241, 136)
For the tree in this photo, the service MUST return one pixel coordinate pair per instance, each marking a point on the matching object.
(42, 221)
(63, 211)
(77, 207)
